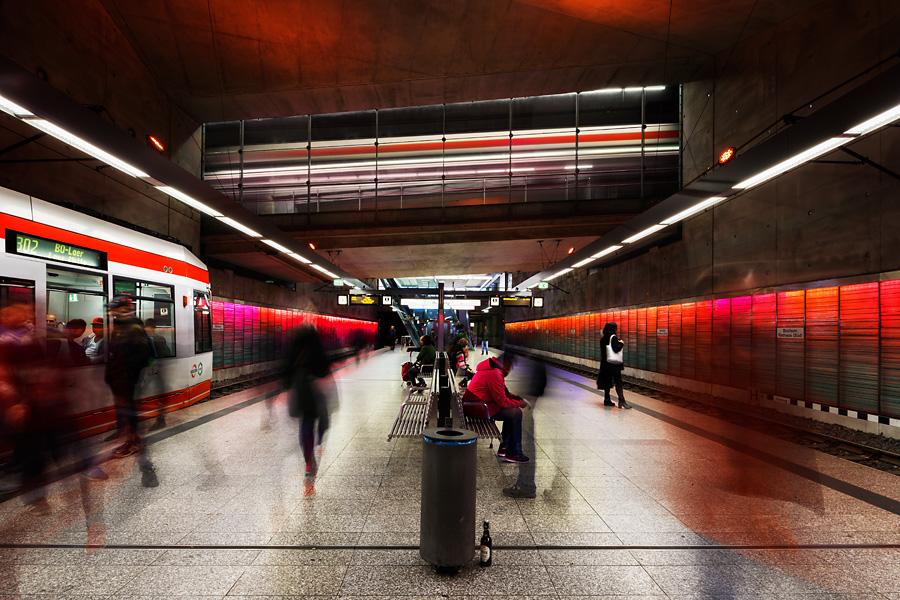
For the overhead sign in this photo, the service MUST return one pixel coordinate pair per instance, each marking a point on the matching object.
(543, 285)
(358, 299)
(338, 282)
(495, 300)
(343, 300)
(387, 300)
(40, 247)
(537, 302)
(522, 301)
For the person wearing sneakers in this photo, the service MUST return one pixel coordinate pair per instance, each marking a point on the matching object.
(611, 373)
(488, 387)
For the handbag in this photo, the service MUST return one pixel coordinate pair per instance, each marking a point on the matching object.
(613, 357)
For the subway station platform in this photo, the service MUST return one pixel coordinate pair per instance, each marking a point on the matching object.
(653, 502)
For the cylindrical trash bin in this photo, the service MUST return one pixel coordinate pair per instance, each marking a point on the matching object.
(447, 533)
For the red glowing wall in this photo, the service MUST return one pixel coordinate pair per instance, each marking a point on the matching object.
(836, 345)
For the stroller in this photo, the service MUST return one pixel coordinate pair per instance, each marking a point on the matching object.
(410, 373)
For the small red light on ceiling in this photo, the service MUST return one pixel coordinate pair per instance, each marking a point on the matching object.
(311, 245)
(726, 156)
(572, 249)
(155, 143)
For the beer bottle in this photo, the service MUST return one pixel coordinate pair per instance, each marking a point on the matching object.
(487, 555)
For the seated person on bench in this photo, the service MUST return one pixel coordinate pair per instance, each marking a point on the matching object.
(427, 354)
(488, 387)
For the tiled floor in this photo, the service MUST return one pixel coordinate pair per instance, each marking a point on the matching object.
(654, 502)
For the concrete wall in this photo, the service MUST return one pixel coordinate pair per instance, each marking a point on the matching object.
(819, 222)
(89, 58)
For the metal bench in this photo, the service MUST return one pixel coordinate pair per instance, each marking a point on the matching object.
(414, 412)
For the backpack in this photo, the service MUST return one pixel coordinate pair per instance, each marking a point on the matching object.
(404, 369)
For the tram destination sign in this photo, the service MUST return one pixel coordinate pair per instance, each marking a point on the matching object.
(516, 301)
(41, 247)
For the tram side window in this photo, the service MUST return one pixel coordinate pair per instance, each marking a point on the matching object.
(73, 295)
(202, 323)
(154, 304)
(16, 291)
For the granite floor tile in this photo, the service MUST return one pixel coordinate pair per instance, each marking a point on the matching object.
(394, 581)
(566, 524)
(586, 557)
(516, 581)
(206, 557)
(309, 558)
(289, 580)
(85, 579)
(570, 581)
(169, 581)
(390, 558)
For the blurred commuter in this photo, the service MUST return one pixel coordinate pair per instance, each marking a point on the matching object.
(160, 349)
(488, 387)
(484, 340)
(305, 368)
(27, 415)
(66, 353)
(535, 380)
(95, 344)
(611, 372)
(129, 353)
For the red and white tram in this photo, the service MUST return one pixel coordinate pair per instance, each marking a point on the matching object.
(69, 265)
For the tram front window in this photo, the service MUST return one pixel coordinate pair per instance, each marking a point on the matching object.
(154, 304)
(77, 295)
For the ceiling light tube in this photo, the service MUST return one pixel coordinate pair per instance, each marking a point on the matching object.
(300, 258)
(276, 245)
(324, 270)
(693, 210)
(555, 275)
(876, 122)
(88, 148)
(793, 162)
(239, 226)
(654, 88)
(643, 234)
(189, 201)
(584, 262)
(8, 106)
(607, 251)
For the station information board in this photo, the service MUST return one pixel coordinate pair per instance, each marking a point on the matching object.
(516, 301)
(40, 247)
(360, 299)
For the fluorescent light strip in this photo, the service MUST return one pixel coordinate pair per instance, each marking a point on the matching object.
(324, 270)
(584, 262)
(555, 275)
(694, 210)
(276, 245)
(793, 162)
(643, 234)
(296, 256)
(239, 227)
(877, 122)
(76, 142)
(607, 251)
(181, 196)
(8, 106)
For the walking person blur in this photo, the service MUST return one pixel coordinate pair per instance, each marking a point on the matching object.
(160, 350)
(305, 366)
(129, 353)
(611, 372)
(535, 382)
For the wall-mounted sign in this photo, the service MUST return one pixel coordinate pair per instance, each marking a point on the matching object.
(543, 285)
(387, 300)
(338, 282)
(39, 247)
(537, 302)
(218, 327)
(662, 332)
(789, 333)
(495, 300)
(343, 300)
(524, 301)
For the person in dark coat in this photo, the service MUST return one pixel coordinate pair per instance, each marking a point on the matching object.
(305, 365)
(611, 373)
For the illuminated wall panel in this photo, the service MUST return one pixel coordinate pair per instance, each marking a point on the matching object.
(741, 342)
(790, 356)
(651, 339)
(764, 343)
(674, 341)
(703, 352)
(720, 346)
(890, 348)
(630, 335)
(218, 332)
(689, 340)
(640, 334)
(822, 345)
(859, 346)
(662, 341)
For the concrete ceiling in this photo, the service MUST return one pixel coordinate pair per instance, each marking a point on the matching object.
(244, 59)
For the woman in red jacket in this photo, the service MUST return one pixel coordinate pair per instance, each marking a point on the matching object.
(489, 388)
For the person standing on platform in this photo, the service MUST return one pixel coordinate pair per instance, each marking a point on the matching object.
(484, 340)
(393, 335)
(610, 372)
